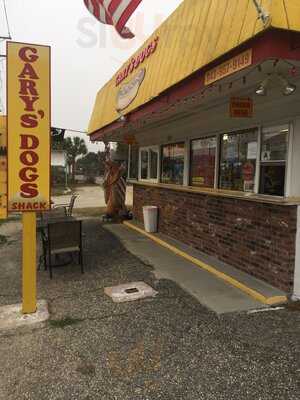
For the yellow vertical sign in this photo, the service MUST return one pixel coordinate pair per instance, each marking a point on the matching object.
(28, 106)
(28, 138)
(3, 168)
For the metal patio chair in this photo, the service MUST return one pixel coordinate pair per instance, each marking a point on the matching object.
(68, 207)
(42, 223)
(63, 237)
(58, 212)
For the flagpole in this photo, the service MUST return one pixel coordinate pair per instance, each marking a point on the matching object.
(262, 14)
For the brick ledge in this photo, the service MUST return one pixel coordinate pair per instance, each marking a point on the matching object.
(285, 201)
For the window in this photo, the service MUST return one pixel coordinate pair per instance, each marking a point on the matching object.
(238, 161)
(273, 160)
(133, 162)
(153, 154)
(173, 163)
(144, 164)
(203, 158)
(149, 163)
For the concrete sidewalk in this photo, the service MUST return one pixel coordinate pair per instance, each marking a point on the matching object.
(208, 289)
(90, 196)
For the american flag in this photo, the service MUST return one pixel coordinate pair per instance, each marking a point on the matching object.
(114, 12)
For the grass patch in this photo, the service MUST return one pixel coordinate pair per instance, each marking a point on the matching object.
(65, 322)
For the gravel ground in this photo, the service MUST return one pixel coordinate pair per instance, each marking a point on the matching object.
(169, 347)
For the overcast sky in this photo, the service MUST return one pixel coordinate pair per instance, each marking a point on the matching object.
(85, 53)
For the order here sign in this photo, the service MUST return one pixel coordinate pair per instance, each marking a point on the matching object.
(28, 106)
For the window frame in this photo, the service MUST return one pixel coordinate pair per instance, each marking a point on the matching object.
(286, 163)
(130, 178)
(260, 128)
(258, 152)
(217, 155)
(148, 149)
(185, 161)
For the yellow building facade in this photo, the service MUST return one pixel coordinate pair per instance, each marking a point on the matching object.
(195, 35)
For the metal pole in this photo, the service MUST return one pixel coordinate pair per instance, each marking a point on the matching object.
(29, 305)
(66, 171)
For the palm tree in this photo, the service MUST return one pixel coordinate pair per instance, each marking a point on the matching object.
(74, 148)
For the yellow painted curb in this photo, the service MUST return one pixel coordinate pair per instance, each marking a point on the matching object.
(226, 278)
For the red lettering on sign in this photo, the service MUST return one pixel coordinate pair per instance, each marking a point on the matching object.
(29, 102)
(28, 174)
(29, 158)
(28, 71)
(28, 54)
(241, 107)
(29, 190)
(29, 121)
(29, 206)
(29, 142)
(137, 60)
(28, 87)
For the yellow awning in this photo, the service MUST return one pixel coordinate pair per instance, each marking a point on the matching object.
(197, 33)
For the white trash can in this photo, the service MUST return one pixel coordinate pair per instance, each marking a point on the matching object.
(150, 218)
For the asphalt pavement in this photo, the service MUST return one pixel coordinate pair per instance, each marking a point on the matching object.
(169, 347)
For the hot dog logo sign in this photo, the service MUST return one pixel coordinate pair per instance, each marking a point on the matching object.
(129, 91)
(28, 99)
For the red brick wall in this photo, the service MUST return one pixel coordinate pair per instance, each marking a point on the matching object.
(254, 237)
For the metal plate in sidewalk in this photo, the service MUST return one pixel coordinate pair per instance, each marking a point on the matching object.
(130, 292)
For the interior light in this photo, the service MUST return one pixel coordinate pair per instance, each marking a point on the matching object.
(288, 88)
(262, 88)
(122, 117)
